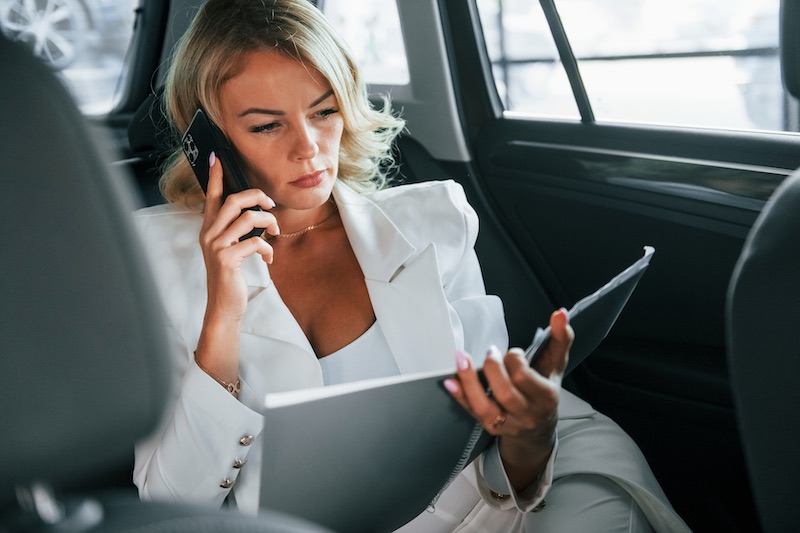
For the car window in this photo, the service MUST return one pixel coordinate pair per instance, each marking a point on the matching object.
(704, 63)
(371, 29)
(85, 41)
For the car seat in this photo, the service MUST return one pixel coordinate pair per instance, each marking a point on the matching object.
(763, 336)
(82, 352)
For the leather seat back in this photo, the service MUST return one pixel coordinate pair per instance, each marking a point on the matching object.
(81, 335)
(83, 358)
(763, 333)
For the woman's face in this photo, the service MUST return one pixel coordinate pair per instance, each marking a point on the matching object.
(284, 121)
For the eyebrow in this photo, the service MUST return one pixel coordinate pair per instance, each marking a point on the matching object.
(262, 111)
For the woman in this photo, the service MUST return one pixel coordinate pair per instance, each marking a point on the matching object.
(349, 281)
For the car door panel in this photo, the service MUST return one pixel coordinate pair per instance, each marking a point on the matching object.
(577, 200)
(580, 211)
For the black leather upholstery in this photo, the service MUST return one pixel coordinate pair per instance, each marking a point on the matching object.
(80, 329)
(148, 131)
(82, 355)
(764, 355)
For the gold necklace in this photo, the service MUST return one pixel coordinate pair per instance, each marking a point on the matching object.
(268, 237)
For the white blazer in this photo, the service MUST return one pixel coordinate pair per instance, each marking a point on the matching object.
(414, 244)
(415, 247)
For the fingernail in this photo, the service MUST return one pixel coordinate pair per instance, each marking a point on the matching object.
(451, 386)
(566, 313)
(271, 202)
(462, 361)
(212, 158)
(494, 353)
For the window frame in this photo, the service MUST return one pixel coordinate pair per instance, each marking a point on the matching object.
(571, 65)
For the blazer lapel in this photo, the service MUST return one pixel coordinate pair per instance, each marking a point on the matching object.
(283, 358)
(266, 314)
(414, 315)
(404, 286)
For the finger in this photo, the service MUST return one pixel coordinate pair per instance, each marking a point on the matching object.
(531, 399)
(234, 206)
(213, 190)
(453, 386)
(229, 257)
(519, 371)
(246, 199)
(541, 393)
(554, 358)
(480, 405)
(504, 392)
(246, 222)
(239, 250)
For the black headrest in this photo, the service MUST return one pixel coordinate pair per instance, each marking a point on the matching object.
(763, 339)
(148, 131)
(82, 351)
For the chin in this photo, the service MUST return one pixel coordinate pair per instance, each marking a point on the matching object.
(309, 198)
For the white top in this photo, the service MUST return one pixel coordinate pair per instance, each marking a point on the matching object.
(366, 357)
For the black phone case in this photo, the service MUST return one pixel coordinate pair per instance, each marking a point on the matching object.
(200, 139)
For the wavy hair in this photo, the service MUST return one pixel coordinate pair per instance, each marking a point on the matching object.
(214, 50)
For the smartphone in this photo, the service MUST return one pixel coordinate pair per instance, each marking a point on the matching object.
(203, 137)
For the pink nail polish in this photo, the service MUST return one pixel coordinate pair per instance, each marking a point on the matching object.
(451, 386)
(271, 202)
(462, 361)
(212, 158)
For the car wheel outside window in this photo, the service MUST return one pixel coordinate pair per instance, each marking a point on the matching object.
(86, 41)
(56, 30)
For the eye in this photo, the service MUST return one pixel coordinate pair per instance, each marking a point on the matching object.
(325, 113)
(264, 128)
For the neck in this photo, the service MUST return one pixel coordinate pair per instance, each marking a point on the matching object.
(292, 221)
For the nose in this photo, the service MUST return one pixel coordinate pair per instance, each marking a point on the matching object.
(305, 144)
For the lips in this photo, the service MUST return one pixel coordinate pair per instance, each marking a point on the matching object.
(309, 180)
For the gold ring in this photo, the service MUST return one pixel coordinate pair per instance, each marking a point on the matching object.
(498, 421)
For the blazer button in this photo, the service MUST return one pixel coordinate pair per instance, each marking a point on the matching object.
(499, 497)
(247, 440)
(238, 463)
(226, 483)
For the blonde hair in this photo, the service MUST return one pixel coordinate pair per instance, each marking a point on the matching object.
(214, 49)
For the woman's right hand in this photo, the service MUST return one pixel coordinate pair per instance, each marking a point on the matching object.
(223, 224)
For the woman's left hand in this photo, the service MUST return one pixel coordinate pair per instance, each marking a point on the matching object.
(523, 407)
